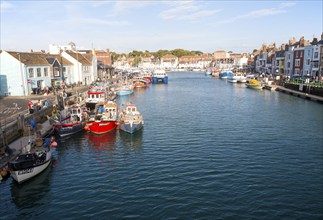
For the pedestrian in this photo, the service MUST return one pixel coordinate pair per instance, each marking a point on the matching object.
(30, 107)
(39, 105)
(46, 104)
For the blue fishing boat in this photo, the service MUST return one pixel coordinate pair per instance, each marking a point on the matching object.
(225, 74)
(124, 90)
(73, 123)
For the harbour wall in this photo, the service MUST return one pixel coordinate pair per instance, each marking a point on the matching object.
(21, 127)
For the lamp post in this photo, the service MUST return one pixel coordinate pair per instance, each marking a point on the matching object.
(22, 76)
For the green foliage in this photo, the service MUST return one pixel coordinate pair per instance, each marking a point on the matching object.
(136, 61)
(158, 54)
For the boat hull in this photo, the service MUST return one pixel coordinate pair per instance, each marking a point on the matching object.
(232, 80)
(163, 80)
(225, 75)
(130, 128)
(26, 173)
(69, 128)
(251, 86)
(124, 92)
(101, 127)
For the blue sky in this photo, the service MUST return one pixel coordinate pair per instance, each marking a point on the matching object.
(123, 26)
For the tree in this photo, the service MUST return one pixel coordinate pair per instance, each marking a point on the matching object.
(197, 52)
(136, 61)
(160, 53)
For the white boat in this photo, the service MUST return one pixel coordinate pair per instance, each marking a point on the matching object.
(130, 119)
(232, 79)
(240, 78)
(29, 164)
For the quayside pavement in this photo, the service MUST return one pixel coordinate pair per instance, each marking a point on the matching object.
(300, 94)
(13, 108)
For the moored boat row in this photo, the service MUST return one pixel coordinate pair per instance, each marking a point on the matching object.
(99, 114)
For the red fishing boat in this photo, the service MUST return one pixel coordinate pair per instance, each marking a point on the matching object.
(104, 119)
(148, 76)
(140, 82)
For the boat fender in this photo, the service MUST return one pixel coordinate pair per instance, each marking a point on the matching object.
(28, 147)
(54, 144)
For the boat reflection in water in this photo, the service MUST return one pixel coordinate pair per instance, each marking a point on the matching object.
(102, 142)
(133, 140)
(30, 193)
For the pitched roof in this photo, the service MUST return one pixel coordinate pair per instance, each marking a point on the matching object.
(38, 58)
(85, 59)
(30, 58)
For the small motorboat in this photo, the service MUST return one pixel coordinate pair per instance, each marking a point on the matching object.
(131, 119)
(254, 84)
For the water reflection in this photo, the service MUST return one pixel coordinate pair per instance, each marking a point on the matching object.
(140, 91)
(102, 142)
(30, 194)
(132, 140)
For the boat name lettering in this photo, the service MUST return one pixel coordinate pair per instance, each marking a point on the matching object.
(66, 128)
(103, 124)
(21, 172)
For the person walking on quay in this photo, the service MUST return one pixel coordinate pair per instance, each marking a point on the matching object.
(39, 105)
(30, 107)
(46, 103)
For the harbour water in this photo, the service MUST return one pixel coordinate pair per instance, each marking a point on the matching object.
(209, 150)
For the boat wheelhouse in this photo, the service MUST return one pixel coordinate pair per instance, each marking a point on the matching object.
(94, 96)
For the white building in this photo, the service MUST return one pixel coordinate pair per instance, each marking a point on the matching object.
(84, 69)
(24, 72)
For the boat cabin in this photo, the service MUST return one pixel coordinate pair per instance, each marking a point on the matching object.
(131, 108)
(77, 113)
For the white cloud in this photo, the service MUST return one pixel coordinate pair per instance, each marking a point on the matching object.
(287, 4)
(5, 5)
(186, 10)
(177, 12)
(255, 14)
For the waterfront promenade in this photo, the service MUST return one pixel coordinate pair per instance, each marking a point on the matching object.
(300, 94)
(15, 108)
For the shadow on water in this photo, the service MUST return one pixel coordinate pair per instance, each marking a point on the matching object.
(132, 140)
(30, 193)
